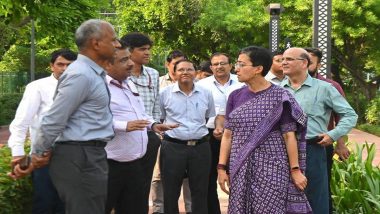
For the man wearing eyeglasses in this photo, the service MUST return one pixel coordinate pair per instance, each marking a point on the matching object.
(125, 150)
(340, 148)
(275, 74)
(219, 83)
(317, 99)
(146, 80)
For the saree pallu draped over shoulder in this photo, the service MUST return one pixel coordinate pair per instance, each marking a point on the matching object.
(259, 166)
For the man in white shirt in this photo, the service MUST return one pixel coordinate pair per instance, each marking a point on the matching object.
(37, 99)
(126, 149)
(219, 83)
(275, 74)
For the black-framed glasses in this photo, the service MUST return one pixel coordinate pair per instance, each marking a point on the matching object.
(220, 64)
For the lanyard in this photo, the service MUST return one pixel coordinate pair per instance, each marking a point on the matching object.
(113, 82)
(221, 91)
(149, 83)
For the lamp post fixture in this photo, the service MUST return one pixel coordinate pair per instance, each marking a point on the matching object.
(32, 52)
(322, 33)
(274, 9)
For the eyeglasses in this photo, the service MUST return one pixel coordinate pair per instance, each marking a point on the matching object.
(239, 65)
(290, 59)
(220, 64)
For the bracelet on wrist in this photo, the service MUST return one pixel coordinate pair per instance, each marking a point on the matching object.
(222, 167)
(295, 169)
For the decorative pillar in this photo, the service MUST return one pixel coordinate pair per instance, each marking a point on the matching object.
(274, 10)
(322, 33)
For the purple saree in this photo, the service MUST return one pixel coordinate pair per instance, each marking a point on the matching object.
(259, 167)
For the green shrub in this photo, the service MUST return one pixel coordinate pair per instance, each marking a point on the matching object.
(372, 115)
(15, 195)
(8, 107)
(355, 183)
(370, 128)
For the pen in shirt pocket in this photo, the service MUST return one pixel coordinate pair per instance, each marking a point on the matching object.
(196, 105)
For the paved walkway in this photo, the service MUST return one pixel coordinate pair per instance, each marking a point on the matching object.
(355, 136)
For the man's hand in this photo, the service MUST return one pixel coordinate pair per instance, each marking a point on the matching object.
(218, 133)
(17, 172)
(40, 161)
(326, 140)
(160, 128)
(341, 149)
(137, 125)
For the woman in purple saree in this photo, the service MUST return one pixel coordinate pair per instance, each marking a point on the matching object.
(264, 140)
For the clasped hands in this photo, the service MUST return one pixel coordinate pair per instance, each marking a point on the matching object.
(20, 170)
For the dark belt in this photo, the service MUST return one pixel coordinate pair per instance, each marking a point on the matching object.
(96, 143)
(192, 142)
(314, 140)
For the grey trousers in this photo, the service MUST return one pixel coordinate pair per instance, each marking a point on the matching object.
(80, 175)
(176, 159)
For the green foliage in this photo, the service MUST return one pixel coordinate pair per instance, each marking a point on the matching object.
(15, 195)
(373, 111)
(370, 128)
(8, 106)
(355, 183)
(17, 59)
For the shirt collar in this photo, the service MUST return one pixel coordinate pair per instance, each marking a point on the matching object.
(229, 82)
(98, 69)
(53, 78)
(308, 82)
(177, 89)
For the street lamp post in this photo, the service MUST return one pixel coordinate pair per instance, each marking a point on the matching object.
(274, 10)
(32, 52)
(322, 34)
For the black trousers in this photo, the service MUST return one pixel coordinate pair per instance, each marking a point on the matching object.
(212, 198)
(329, 161)
(148, 162)
(124, 187)
(80, 174)
(176, 160)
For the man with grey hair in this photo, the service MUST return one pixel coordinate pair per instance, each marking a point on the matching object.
(79, 123)
(318, 99)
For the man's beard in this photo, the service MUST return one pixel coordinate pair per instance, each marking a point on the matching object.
(313, 73)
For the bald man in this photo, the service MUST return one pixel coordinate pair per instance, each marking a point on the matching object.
(317, 99)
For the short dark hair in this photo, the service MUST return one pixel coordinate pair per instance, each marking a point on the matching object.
(123, 45)
(220, 54)
(136, 39)
(180, 61)
(175, 54)
(315, 52)
(205, 66)
(65, 53)
(276, 53)
(259, 56)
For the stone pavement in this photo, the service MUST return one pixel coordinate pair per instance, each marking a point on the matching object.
(355, 137)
